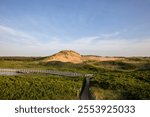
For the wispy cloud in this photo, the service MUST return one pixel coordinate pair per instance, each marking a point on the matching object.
(16, 42)
(116, 47)
(8, 35)
(110, 35)
(105, 47)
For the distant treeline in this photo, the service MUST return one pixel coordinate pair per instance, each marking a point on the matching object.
(20, 58)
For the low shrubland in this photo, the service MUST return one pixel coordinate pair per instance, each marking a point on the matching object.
(39, 86)
(121, 79)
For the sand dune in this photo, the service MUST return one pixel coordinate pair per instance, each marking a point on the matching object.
(74, 57)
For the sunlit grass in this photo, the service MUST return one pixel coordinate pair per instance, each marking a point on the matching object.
(125, 79)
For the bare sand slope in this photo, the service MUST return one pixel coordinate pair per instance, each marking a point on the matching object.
(74, 57)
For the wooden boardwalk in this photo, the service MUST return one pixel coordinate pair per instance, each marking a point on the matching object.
(86, 93)
(53, 72)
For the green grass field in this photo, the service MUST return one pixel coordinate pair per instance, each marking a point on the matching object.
(124, 79)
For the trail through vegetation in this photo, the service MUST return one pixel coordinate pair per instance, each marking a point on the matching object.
(122, 79)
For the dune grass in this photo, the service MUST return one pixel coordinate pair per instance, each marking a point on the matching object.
(122, 79)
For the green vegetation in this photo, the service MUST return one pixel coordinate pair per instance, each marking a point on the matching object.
(122, 79)
(128, 79)
(37, 87)
(128, 85)
(11, 58)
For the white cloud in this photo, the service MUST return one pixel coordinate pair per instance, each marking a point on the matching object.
(116, 47)
(110, 35)
(15, 42)
(8, 34)
(110, 47)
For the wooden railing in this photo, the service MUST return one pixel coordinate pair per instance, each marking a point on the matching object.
(54, 72)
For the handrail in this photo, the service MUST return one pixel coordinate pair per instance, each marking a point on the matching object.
(54, 72)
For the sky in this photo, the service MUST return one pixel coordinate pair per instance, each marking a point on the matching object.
(91, 27)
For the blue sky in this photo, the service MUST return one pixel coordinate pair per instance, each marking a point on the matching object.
(98, 27)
